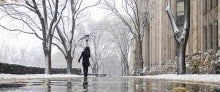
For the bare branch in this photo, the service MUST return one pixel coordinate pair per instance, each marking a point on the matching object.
(45, 13)
(59, 48)
(79, 11)
(57, 38)
(79, 4)
(54, 19)
(19, 14)
(43, 25)
(18, 30)
(50, 7)
(64, 29)
(134, 11)
(59, 17)
(120, 16)
(63, 39)
(170, 15)
(186, 17)
(31, 6)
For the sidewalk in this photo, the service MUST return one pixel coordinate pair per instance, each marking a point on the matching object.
(192, 78)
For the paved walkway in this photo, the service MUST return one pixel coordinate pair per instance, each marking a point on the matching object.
(76, 83)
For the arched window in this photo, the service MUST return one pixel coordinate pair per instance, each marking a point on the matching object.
(180, 12)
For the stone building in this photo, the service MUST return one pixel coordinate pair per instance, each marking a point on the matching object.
(159, 43)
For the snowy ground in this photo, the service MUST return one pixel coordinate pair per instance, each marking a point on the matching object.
(193, 78)
(11, 77)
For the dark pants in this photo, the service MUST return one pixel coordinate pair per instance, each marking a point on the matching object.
(85, 70)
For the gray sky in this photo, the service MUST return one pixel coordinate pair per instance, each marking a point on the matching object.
(21, 40)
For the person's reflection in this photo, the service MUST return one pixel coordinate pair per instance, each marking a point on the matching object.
(69, 85)
(85, 84)
(48, 86)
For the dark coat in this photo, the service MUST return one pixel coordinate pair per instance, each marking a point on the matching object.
(85, 55)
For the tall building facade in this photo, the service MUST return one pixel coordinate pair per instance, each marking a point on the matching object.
(159, 45)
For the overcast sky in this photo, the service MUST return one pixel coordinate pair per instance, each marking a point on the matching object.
(21, 40)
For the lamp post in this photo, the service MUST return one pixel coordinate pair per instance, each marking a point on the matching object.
(87, 39)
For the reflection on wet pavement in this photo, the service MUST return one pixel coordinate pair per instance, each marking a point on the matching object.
(104, 84)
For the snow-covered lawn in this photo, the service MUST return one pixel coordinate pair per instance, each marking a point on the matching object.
(194, 78)
(12, 77)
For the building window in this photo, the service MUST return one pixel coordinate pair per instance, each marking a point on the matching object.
(215, 36)
(214, 3)
(217, 46)
(204, 6)
(210, 37)
(209, 6)
(204, 38)
(180, 12)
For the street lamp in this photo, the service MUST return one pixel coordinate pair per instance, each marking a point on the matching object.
(87, 39)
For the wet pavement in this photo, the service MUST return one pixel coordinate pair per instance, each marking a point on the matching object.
(104, 84)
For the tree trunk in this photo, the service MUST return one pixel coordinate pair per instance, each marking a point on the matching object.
(184, 38)
(127, 69)
(95, 68)
(180, 36)
(47, 53)
(48, 62)
(141, 57)
(69, 59)
(181, 69)
(122, 70)
(69, 65)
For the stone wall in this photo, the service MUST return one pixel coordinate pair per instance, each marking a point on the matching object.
(19, 69)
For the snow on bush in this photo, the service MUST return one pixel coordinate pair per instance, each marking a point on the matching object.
(199, 63)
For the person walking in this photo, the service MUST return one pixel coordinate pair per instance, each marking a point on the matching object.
(85, 63)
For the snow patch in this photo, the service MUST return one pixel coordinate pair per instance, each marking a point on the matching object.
(35, 76)
(203, 78)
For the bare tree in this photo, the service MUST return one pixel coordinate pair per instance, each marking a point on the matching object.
(180, 36)
(37, 20)
(135, 17)
(101, 46)
(25, 55)
(11, 54)
(122, 40)
(5, 49)
(109, 46)
(67, 42)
